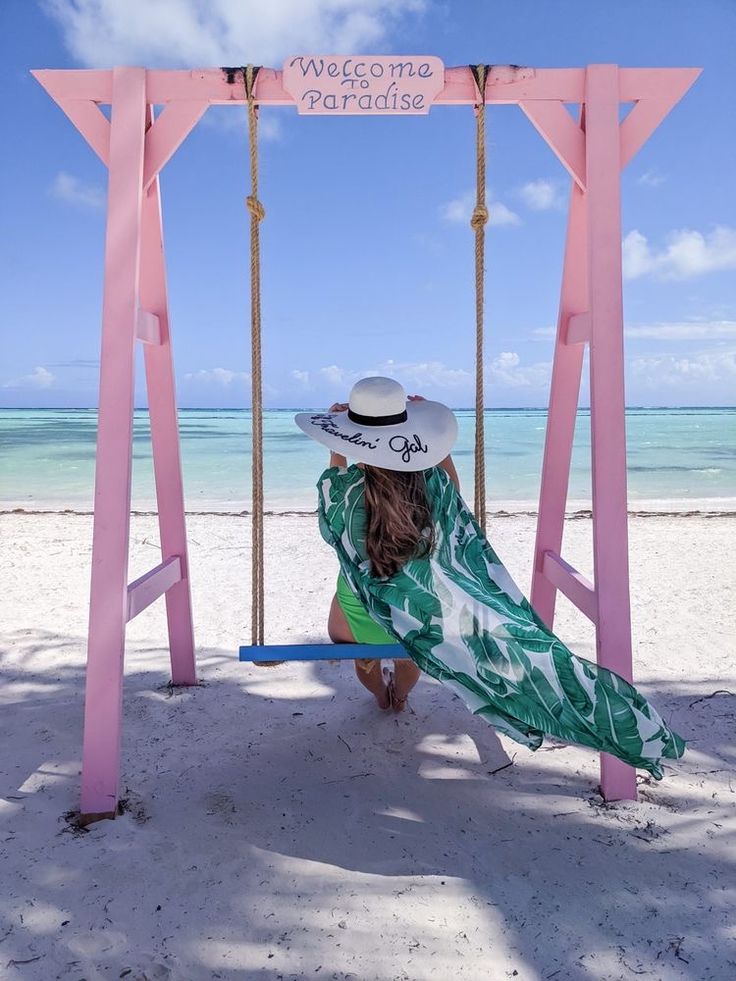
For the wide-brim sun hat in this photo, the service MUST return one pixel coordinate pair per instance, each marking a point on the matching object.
(382, 428)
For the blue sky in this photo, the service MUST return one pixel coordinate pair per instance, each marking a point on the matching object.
(367, 253)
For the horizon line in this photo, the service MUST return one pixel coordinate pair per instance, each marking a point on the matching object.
(308, 408)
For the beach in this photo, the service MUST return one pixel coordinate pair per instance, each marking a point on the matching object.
(277, 825)
(199, 253)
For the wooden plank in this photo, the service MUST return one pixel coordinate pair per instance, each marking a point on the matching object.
(210, 85)
(91, 122)
(159, 366)
(564, 136)
(167, 133)
(505, 86)
(579, 590)
(655, 83)
(320, 652)
(111, 531)
(153, 584)
(147, 327)
(578, 328)
(607, 402)
(648, 113)
(76, 83)
(563, 404)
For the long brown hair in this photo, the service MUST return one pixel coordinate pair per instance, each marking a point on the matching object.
(399, 522)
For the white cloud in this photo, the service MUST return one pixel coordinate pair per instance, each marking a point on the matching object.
(335, 375)
(412, 374)
(302, 377)
(233, 122)
(542, 195)
(217, 376)
(423, 373)
(460, 209)
(501, 215)
(651, 178)
(190, 33)
(507, 370)
(637, 258)
(66, 187)
(270, 127)
(695, 330)
(38, 378)
(687, 331)
(687, 253)
(710, 367)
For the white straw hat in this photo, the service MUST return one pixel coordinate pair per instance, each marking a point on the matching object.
(383, 429)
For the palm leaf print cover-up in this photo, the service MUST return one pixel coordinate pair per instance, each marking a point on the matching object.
(463, 620)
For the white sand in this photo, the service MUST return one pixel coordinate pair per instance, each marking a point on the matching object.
(279, 826)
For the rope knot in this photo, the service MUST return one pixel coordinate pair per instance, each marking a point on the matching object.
(479, 218)
(257, 211)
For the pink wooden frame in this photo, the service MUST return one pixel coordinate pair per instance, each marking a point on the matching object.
(135, 147)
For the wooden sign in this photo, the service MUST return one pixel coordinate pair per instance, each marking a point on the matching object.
(363, 85)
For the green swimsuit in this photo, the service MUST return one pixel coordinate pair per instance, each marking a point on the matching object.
(463, 620)
(364, 629)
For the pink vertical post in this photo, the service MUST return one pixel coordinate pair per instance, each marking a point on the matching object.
(563, 405)
(165, 439)
(607, 403)
(108, 599)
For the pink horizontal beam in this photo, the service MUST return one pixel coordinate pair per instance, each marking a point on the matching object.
(76, 84)
(505, 86)
(153, 584)
(569, 581)
(655, 83)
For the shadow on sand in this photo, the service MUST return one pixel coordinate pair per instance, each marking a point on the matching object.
(278, 825)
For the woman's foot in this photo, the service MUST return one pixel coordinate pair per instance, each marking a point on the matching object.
(383, 696)
(375, 680)
(396, 701)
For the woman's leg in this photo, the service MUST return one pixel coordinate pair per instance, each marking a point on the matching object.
(368, 672)
(338, 627)
(406, 675)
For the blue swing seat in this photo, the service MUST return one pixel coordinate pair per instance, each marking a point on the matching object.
(320, 652)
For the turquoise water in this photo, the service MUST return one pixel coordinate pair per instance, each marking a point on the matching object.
(48, 457)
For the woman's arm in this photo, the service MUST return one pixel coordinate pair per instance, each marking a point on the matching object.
(447, 464)
(449, 467)
(337, 459)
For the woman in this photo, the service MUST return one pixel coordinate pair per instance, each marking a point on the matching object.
(398, 513)
(416, 569)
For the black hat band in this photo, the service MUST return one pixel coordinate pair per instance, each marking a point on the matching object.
(394, 420)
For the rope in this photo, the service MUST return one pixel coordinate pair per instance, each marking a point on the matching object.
(478, 223)
(257, 214)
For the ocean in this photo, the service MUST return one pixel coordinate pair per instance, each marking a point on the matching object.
(685, 458)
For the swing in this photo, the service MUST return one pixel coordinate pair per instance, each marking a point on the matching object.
(135, 143)
(258, 652)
